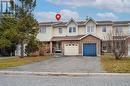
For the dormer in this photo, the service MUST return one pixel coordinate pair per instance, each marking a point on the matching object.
(72, 27)
(90, 26)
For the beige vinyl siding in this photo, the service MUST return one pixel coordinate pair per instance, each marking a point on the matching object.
(125, 29)
(81, 30)
(45, 36)
(101, 34)
(56, 31)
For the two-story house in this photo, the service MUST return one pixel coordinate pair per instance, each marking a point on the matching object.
(84, 38)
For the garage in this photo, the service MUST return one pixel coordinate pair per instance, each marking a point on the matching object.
(71, 49)
(89, 49)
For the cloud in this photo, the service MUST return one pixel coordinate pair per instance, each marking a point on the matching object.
(50, 16)
(114, 5)
(107, 16)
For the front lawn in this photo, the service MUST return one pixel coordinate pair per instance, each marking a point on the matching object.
(110, 64)
(13, 62)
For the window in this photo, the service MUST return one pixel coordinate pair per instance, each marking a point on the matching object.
(104, 29)
(119, 30)
(43, 30)
(60, 30)
(104, 48)
(72, 29)
(90, 29)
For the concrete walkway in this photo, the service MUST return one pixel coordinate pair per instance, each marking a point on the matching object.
(64, 64)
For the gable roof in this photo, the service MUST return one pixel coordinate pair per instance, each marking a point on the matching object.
(66, 38)
(90, 19)
(71, 38)
(71, 20)
(82, 23)
(89, 35)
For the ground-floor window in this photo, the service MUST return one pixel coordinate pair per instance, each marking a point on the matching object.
(104, 48)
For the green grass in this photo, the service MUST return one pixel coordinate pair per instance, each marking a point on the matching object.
(13, 62)
(110, 64)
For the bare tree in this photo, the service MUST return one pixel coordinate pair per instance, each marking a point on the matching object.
(118, 43)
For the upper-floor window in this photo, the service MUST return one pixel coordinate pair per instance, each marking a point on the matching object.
(60, 30)
(104, 29)
(90, 29)
(119, 30)
(72, 29)
(43, 30)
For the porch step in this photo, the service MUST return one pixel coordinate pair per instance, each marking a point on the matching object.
(57, 55)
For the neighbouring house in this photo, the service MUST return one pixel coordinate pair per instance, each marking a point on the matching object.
(86, 38)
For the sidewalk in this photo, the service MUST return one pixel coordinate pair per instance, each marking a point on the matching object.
(7, 57)
(61, 74)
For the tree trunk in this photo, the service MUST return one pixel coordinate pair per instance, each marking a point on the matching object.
(22, 50)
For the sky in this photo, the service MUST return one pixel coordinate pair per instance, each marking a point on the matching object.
(81, 9)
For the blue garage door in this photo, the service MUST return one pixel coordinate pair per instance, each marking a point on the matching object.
(89, 49)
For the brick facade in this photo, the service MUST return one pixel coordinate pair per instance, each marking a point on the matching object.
(90, 39)
(87, 39)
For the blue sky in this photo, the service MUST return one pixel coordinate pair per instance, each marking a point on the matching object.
(80, 9)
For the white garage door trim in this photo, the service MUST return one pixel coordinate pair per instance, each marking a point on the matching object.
(71, 49)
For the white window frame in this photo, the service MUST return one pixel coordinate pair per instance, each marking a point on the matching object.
(104, 29)
(72, 29)
(119, 30)
(90, 29)
(43, 30)
(60, 30)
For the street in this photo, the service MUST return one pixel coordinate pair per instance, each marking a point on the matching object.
(33, 80)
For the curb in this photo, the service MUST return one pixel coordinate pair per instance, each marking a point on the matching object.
(61, 73)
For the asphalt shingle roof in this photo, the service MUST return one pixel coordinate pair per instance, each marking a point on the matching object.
(66, 38)
(83, 23)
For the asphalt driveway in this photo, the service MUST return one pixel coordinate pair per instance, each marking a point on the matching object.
(64, 64)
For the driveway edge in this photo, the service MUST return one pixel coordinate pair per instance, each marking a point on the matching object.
(60, 73)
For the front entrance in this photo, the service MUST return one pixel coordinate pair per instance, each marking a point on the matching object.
(56, 47)
(89, 49)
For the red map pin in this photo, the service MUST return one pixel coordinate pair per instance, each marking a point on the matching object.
(58, 16)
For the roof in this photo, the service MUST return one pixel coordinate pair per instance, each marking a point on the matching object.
(67, 38)
(70, 38)
(80, 23)
(89, 35)
(47, 23)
